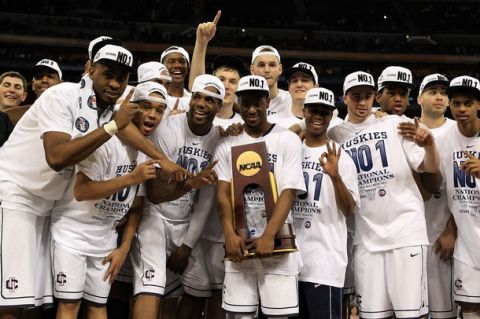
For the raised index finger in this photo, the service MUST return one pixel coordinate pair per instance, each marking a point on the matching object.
(470, 156)
(415, 119)
(212, 164)
(129, 95)
(217, 17)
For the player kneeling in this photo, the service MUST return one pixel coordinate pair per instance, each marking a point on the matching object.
(108, 185)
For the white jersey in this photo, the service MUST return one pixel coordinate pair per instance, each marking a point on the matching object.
(437, 212)
(225, 123)
(320, 226)
(285, 118)
(284, 157)
(213, 230)
(392, 213)
(88, 227)
(183, 102)
(190, 151)
(27, 183)
(283, 101)
(463, 193)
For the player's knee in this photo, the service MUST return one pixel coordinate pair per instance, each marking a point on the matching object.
(68, 307)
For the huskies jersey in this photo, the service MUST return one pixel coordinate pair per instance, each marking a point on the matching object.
(284, 157)
(88, 227)
(27, 183)
(320, 226)
(463, 193)
(190, 151)
(392, 213)
(225, 123)
(283, 101)
(437, 212)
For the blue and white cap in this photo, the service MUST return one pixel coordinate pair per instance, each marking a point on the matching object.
(49, 64)
(153, 71)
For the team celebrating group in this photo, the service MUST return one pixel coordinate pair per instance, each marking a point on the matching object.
(109, 191)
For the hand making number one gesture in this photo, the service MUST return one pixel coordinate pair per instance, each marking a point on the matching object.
(206, 31)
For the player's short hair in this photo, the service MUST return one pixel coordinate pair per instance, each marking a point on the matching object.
(14, 74)
(226, 68)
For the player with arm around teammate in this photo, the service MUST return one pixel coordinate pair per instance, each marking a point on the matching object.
(85, 257)
(320, 214)
(390, 235)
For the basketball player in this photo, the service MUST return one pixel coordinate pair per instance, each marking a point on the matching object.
(170, 229)
(85, 256)
(319, 215)
(271, 279)
(389, 256)
(57, 132)
(394, 85)
(459, 150)
(433, 100)
(46, 73)
(266, 63)
(13, 90)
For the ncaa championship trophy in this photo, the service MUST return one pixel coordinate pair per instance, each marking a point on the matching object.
(254, 193)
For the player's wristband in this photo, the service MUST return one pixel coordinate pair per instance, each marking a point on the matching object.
(111, 128)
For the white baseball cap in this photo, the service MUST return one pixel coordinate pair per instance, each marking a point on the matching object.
(432, 79)
(143, 90)
(320, 96)
(153, 70)
(95, 41)
(395, 75)
(464, 84)
(252, 83)
(175, 49)
(49, 64)
(302, 67)
(116, 54)
(265, 50)
(358, 78)
(204, 81)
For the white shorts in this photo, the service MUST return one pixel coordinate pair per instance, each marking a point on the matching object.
(79, 276)
(278, 293)
(155, 239)
(440, 286)
(467, 282)
(214, 255)
(393, 281)
(25, 264)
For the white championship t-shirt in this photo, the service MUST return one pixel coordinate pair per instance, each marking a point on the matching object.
(463, 193)
(320, 226)
(285, 118)
(88, 227)
(225, 123)
(183, 102)
(392, 213)
(27, 183)
(283, 101)
(190, 151)
(437, 212)
(284, 157)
